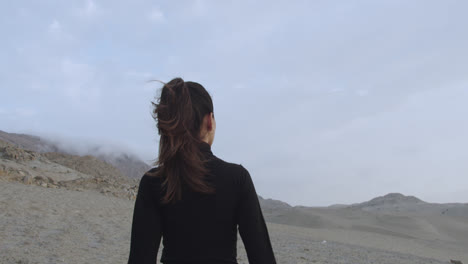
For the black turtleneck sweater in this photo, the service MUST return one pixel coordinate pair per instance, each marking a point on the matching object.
(201, 228)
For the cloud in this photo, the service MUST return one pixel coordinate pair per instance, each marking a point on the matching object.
(80, 84)
(362, 93)
(55, 27)
(199, 7)
(336, 90)
(141, 78)
(57, 32)
(133, 74)
(25, 112)
(90, 8)
(156, 15)
(87, 145)
(87, 9)
(18, 113)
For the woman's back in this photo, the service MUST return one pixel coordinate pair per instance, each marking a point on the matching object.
(193, 200)
(201, 228)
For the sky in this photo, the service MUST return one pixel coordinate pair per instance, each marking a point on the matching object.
(323, 102)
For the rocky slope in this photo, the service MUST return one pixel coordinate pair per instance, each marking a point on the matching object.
(57, 170)
(128, 164)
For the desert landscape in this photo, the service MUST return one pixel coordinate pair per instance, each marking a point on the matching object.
(57, 206)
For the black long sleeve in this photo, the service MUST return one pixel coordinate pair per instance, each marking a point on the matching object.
(201, 228)
(252, 226)
(146, 225)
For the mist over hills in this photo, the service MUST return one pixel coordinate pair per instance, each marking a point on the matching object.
(63, 171)
(127, 163)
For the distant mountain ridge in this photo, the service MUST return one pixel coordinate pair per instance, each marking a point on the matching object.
(273, 204)
(391, 200)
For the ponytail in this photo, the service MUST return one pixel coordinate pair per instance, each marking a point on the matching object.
(179, 113)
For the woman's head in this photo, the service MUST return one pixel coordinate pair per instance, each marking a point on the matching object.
(185, 108)
(185, 119)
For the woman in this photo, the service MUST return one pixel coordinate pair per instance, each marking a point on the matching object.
(194, 200)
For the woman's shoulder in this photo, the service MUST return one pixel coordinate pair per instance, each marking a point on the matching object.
(152, 170)
(150, 176)
(231, 168)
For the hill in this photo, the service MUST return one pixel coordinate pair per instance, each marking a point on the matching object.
(127, 163)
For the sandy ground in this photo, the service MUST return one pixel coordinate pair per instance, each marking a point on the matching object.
(431, 236)
(45, 225)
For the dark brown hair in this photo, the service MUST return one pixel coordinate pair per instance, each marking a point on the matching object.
(179, 113)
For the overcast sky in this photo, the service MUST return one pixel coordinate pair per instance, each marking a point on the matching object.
(322, 101)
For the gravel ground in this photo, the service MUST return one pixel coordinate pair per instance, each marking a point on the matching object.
(45, 225)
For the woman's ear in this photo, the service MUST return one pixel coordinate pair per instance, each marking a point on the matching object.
(213, 120)
(209, 121)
